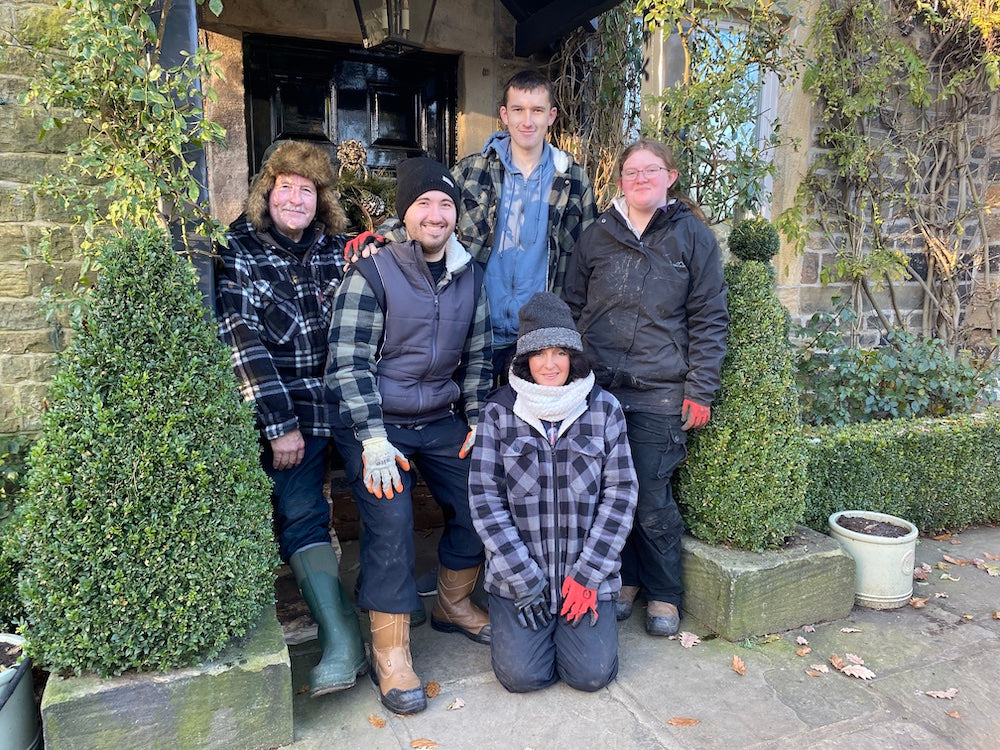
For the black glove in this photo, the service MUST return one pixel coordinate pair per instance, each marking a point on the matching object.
(533, 611)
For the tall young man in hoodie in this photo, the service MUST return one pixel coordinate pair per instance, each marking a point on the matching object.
(524, 203)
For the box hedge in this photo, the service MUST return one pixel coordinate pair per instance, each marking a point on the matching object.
(938, 473)
(147, 540)
(743, 483)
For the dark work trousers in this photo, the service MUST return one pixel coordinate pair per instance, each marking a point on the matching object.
(501, 364)
(301, 513)
(651, 558)
(584, 657)
(388, 551)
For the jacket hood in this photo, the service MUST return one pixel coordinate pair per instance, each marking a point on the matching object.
(305, 160)
(496, 143)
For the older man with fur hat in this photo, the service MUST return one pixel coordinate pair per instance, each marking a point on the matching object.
(410, 353)
(280, 267)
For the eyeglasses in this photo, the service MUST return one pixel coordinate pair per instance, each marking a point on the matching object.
(648, 172)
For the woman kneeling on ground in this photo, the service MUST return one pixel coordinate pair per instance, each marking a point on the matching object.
(553, 493)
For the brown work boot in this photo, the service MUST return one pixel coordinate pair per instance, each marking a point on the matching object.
(623, 604)
(454, 611)
(662, 618)
(392, 666)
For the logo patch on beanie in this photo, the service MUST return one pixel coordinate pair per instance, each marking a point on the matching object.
(447, 180)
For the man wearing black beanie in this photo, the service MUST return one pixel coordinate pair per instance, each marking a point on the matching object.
(409, 370)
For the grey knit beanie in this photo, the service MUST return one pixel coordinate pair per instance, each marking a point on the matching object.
(545, 321)
(419, 175)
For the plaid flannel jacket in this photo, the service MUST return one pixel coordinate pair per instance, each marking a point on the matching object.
(480, 179)
(274, 312)
(355, 338)
(546, 512)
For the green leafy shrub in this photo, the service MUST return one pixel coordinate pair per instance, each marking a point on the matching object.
(147, 519)
(907, 377)
(13, 454)
(754, 239)
(938, 473)
(744, 483)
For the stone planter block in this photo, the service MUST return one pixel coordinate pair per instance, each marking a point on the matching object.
(740, 594)
(241, 699)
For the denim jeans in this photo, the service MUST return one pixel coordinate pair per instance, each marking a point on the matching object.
(301, 513)
(651, 558)
(387, 548)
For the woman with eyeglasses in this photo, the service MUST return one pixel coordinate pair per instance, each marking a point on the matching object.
(646, 291)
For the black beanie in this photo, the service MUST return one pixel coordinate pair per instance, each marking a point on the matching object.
(545, 321)
(416, 176)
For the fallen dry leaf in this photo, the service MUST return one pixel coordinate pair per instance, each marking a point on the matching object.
(940, 595)
(919, 574)
(804, 651)
(949, 577)
(954, 714)
(432, 689)
(820, 668)
(681, 721)
(996, 614)
(376, 721)
(813, 673)
(993, 570)
(770, 638)
(808, 629)
(918, 602)
(738, 666)
(941, 537)
(954, 541)
(456, 704)
(946, 694)
(423, 744)
(850, 630)
(854, 659)
(301, 690)
(802, 641)
(856, 670)
(955, 560)
(942, 566)
(688, 639)
(836, 661)
(988, 556)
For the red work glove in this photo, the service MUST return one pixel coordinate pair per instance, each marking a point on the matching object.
(578, 600)
(694, 415)
(352, 250)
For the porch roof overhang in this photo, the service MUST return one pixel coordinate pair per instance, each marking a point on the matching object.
(541, 23)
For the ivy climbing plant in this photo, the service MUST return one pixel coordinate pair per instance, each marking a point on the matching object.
(102, 71)
(907, 95)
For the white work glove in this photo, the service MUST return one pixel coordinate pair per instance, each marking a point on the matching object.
(467, 445)
(380, 457)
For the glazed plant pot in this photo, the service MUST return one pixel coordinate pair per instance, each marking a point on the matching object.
(883, 565)
(19, 725)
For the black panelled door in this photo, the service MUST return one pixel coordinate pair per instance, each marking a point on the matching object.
(396, 106)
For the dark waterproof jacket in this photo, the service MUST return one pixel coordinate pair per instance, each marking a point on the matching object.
(652, 310)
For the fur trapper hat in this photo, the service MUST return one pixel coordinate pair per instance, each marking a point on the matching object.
(305, 160)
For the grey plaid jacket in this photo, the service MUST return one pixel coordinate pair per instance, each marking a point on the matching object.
(274, 313)
(546, 512)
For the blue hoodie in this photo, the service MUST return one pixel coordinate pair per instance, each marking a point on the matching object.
(518, 264)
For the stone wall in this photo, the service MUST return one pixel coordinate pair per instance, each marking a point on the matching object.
(27, 341)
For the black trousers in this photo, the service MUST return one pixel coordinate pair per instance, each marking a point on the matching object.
(651, 558)
(584, 657)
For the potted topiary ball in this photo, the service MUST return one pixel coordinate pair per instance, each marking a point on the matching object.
(146, 529)
(744, 481)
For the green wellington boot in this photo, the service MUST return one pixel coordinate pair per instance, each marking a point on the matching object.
(339, 634)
